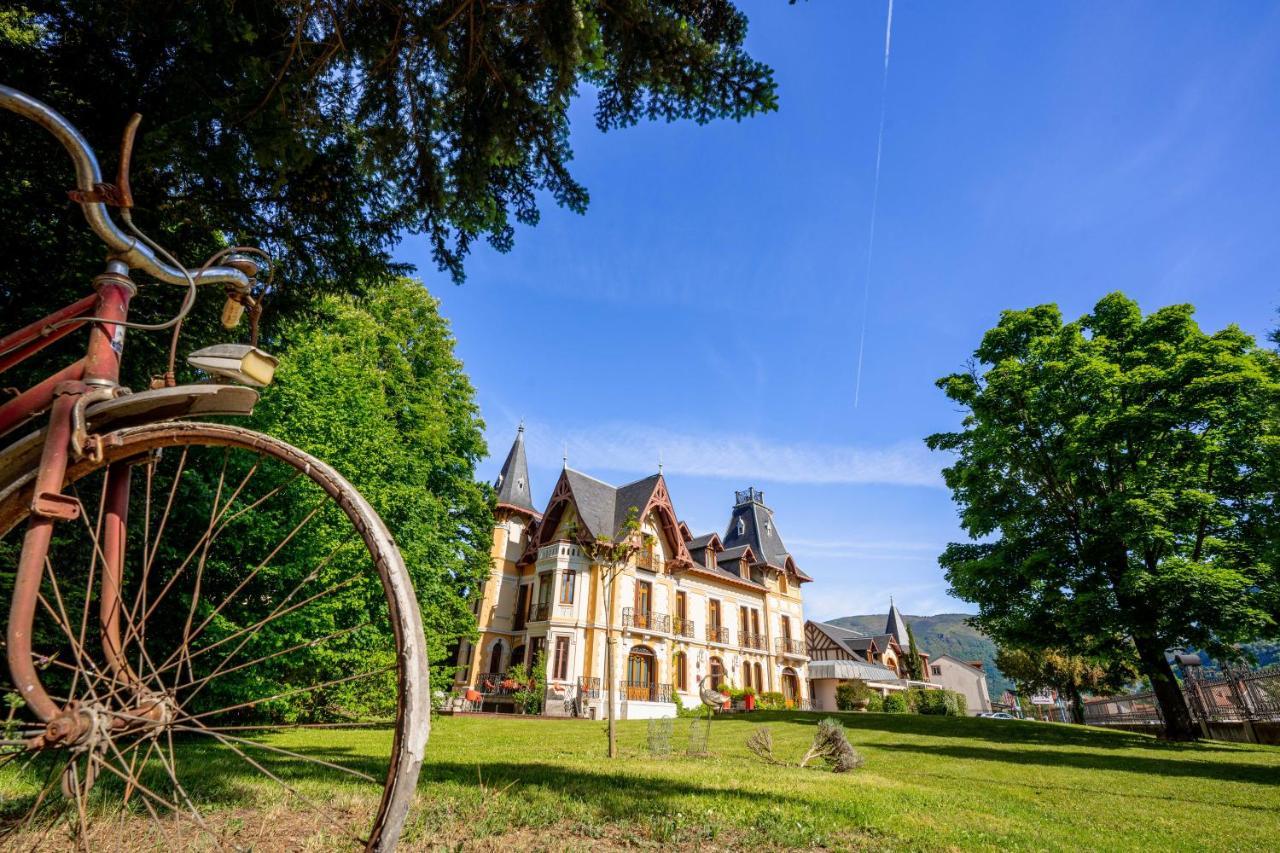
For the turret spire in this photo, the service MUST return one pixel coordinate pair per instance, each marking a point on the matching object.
(512, 486)
(895, 625)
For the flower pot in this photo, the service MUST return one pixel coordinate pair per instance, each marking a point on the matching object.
(750, 700)
(861, 704)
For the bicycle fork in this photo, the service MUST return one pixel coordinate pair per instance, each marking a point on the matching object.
(49, 506)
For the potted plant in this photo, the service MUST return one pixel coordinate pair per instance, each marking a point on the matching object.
(749, 698)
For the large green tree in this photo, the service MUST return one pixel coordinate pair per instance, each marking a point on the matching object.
(328, 130)
(376, 391)
(1071, 675)
(1118, 475)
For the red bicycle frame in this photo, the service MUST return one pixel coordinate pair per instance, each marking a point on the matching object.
(61, 393)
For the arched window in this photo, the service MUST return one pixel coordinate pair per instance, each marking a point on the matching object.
(640, 666)
(742, 526)
(641, 674)
(680, 670)
(495, 659)
(717, 672)
(759, 679)
(746, 673)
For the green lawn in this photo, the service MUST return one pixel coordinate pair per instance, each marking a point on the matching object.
(928, 783)
(510, 783)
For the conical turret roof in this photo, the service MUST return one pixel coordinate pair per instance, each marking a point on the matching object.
(512, 486)
(895, 625)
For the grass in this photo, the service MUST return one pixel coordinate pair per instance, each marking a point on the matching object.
(928, 783)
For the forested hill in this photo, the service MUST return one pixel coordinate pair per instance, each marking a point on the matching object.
(945, 633)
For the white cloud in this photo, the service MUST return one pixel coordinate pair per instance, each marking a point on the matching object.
(625, 447)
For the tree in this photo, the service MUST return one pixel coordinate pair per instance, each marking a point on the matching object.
(914, 672)
(373, 388)
(610, 557)
(1118, 476)
(1070, 675)
(327, 130)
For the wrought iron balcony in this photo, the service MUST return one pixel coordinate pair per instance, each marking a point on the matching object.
(718, 635)
(751, 641)
(632, 618)
(540, 612)
(682, 627)
(588, 688)
(791, 646)
(643, 691)
(495, 684)
(646, 560)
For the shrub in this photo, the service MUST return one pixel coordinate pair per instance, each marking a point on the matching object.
(875, 702)
(771, 700)
(849, 693)
(938, 703)
(895, 703)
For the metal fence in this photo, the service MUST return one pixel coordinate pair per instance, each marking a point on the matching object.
(1232, 695)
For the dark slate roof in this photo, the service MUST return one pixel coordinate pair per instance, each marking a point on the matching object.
(896, 626)
(854, 642)
(700, 541)
(594, 499)
(603, 508)
(512, 486)
(883, 640)
(734, 553)
(758, 529)
(636, 495)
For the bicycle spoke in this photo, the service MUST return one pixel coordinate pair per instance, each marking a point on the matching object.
(223, 739)
(282, 751)
(296, 692)
(303, 645)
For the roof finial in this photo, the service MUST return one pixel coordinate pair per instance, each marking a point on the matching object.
(659, 461)
(520, 429)
(565, 458)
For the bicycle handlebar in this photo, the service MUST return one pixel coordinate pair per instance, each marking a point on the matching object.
(123, 247)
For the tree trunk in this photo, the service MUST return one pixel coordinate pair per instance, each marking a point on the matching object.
(1178, 724)
(610, 685)
(1077, 705)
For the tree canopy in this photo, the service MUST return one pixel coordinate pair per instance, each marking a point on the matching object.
(326, 131)
(1034, 670)
(376, 391)
(1118, 476)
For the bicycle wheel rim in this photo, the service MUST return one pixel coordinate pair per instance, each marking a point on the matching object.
(406, 643)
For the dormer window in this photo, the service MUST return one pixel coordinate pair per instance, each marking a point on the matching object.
(768, 527)
(742, 527)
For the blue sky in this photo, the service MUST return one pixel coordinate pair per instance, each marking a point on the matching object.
(707, 307)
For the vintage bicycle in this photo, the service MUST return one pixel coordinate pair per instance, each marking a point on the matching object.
(188, 599)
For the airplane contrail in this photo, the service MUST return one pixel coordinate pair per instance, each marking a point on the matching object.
(875, 202)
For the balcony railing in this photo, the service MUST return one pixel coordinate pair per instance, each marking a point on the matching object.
(632, 618)
(790, 646)
(495, 684)
(645, 560)
(718, 635)
(643, 691)
(588, 688)
(540, 612)
(751, 641)
(682, 627)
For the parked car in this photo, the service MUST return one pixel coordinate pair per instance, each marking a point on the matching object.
(998, 715)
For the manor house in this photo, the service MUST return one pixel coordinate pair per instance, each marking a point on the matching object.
(684, 606)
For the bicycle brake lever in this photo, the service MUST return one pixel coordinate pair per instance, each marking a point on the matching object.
(118, 194)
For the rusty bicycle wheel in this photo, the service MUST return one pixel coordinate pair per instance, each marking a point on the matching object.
(234, 643)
